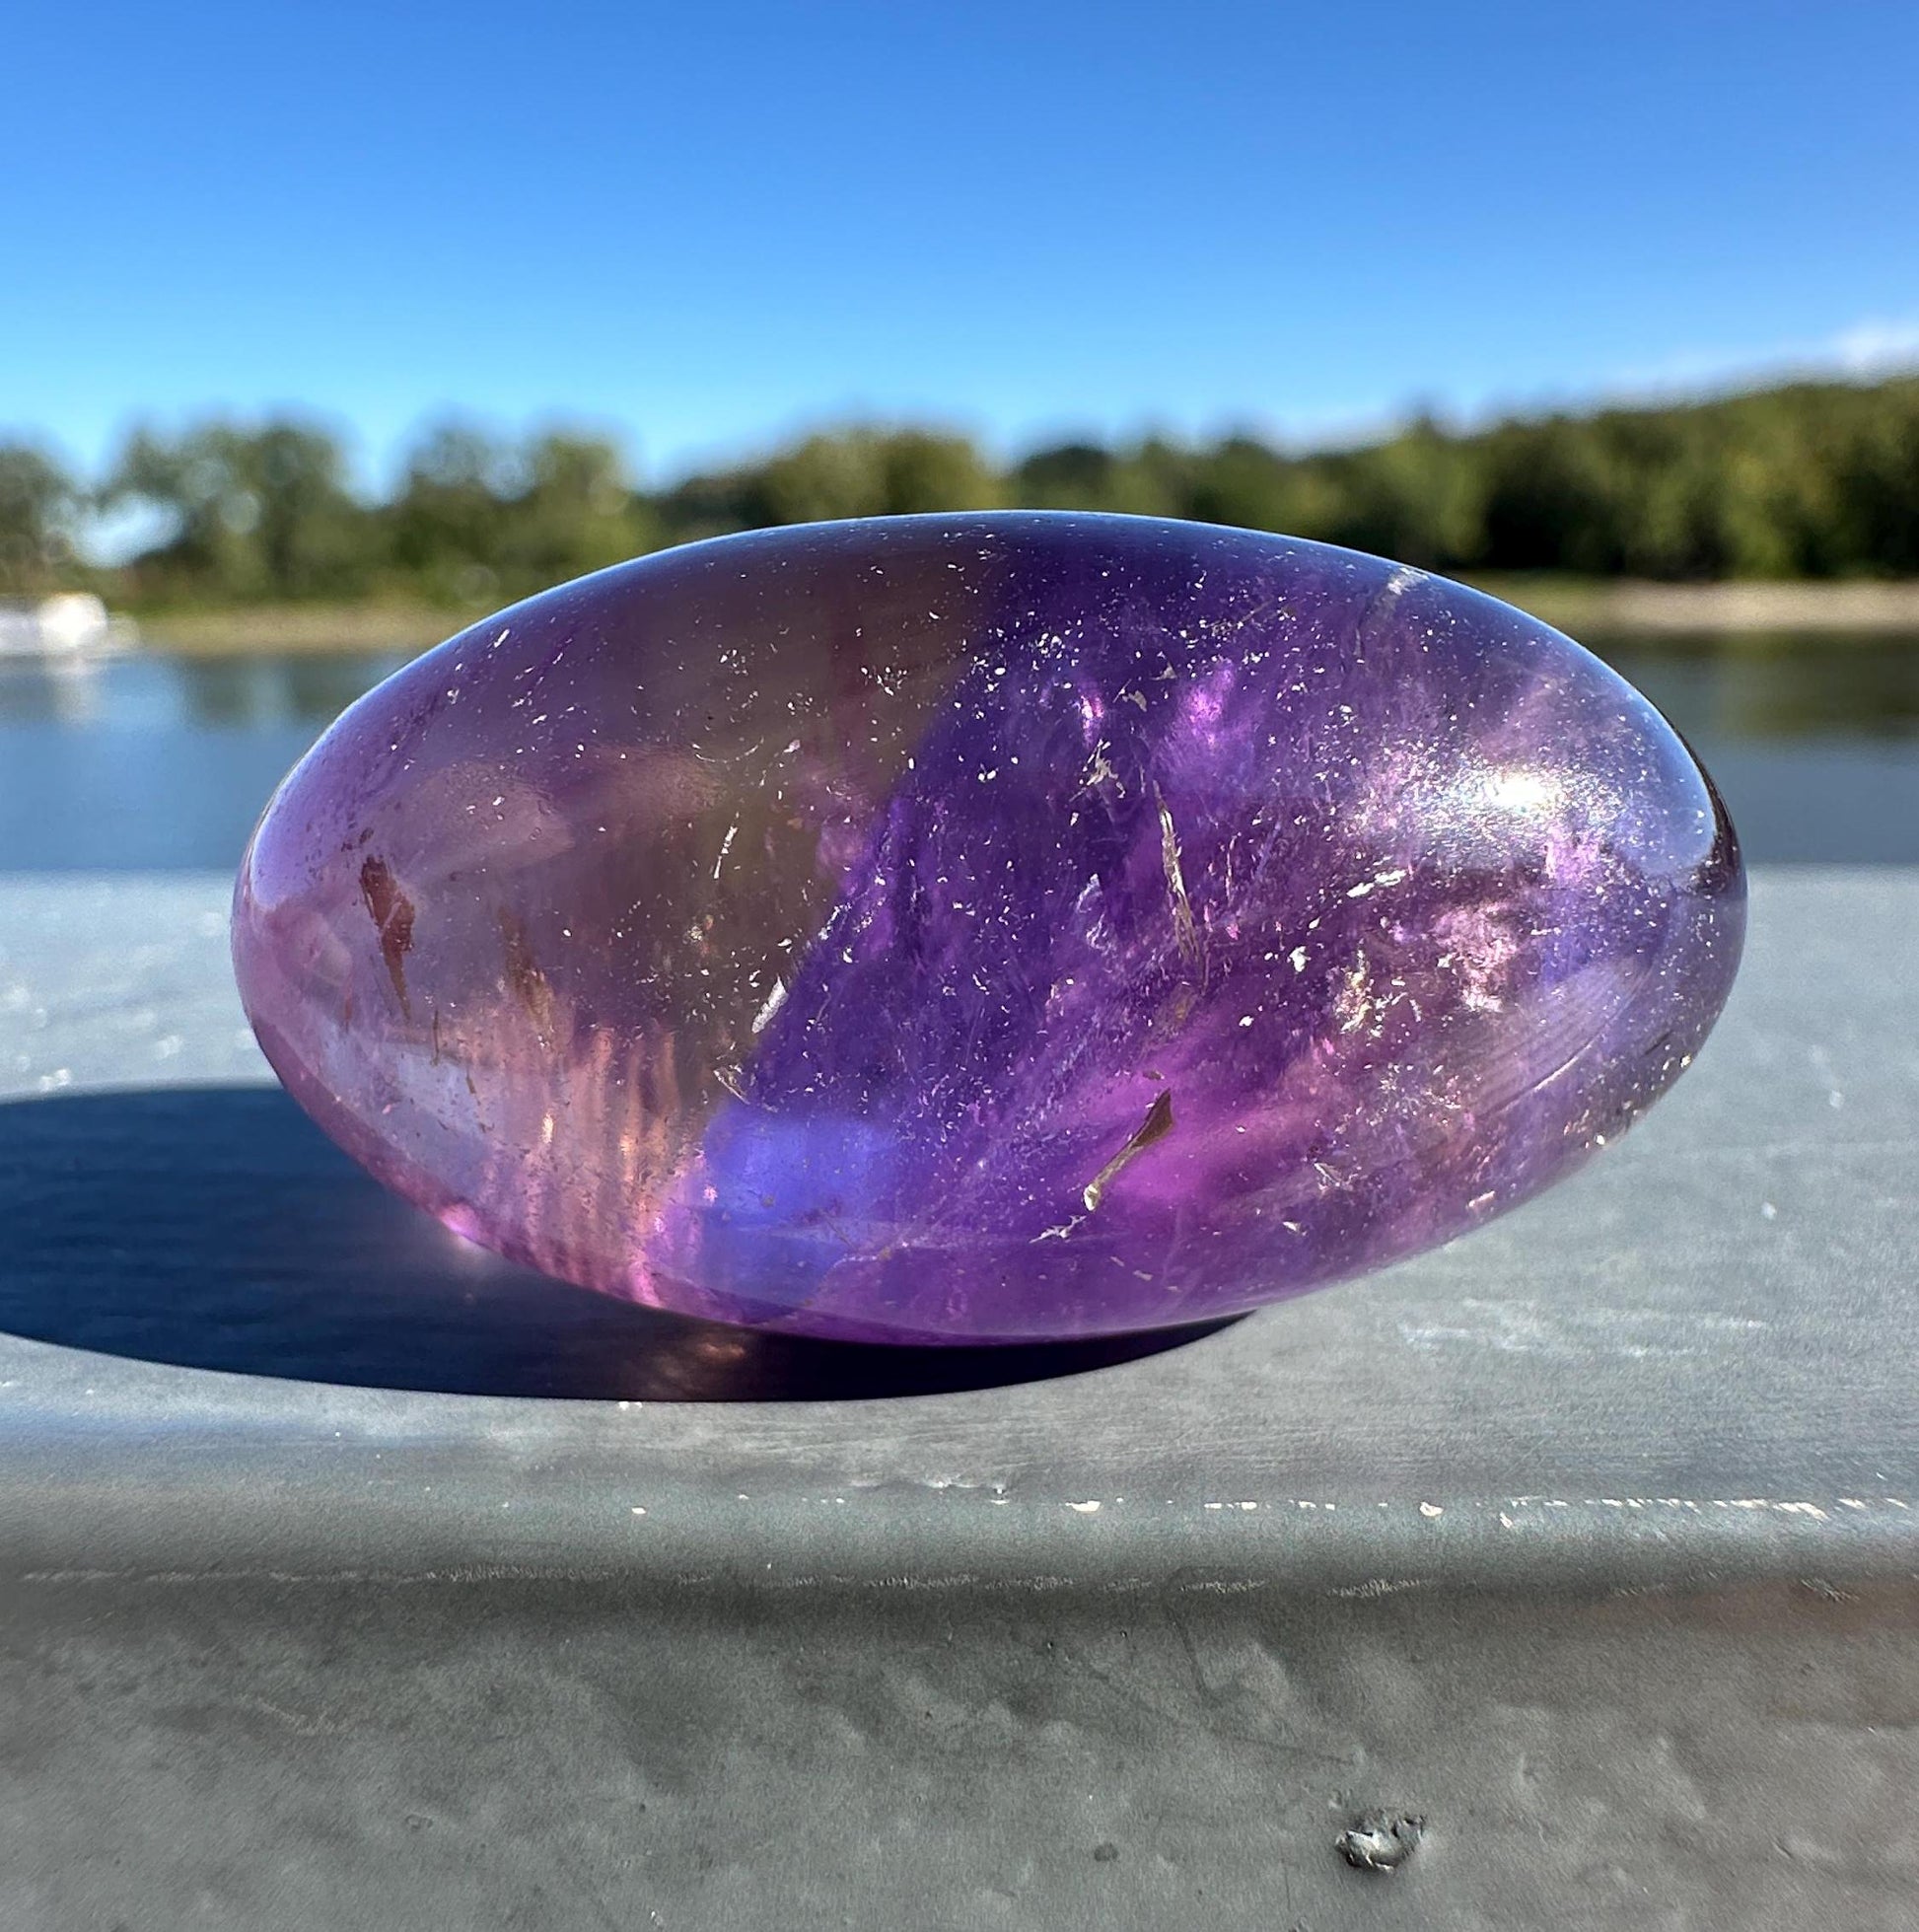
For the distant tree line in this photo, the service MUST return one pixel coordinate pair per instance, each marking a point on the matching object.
(1808, 479)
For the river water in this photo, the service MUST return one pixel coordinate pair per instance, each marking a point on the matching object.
(162, 762)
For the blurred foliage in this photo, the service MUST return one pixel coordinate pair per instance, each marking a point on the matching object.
(855, 473)
(259, 515)
(475, 520)
(39, 509)
(1808, 479)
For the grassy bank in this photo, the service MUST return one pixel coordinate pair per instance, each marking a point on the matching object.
(1574, 605)
(239, 631)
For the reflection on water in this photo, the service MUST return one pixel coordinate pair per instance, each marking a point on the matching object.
(156, 762)
(1788, 685)
(151, 691)
(310, 689)
(1812, 739)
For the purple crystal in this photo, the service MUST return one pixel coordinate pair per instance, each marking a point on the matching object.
(988, 927)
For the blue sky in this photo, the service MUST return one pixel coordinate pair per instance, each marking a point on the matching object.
(711, 224)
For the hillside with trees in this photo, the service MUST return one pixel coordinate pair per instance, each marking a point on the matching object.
(1806, 480)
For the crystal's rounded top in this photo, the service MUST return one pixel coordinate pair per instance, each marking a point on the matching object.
(988, 927)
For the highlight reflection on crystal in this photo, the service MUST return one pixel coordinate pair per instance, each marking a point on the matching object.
(988, 927)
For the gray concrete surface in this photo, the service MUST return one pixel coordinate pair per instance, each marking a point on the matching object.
(1590, 1540)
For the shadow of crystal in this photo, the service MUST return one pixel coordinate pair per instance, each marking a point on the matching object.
(217, 1228)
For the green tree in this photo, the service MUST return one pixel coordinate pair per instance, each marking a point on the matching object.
(39, 508)
(256, 513)
(478, 518)
(1805, 478)
(873, 472)
(577, 512)
(1875, 494)
(1067, 476)
(1420, 496)
(447, 521)
(1549, 498)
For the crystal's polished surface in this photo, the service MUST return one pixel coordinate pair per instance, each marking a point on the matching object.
(988, 927)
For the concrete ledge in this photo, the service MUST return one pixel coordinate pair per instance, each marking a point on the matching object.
(1593, 1538)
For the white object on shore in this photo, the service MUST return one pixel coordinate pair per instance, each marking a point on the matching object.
(71, 628)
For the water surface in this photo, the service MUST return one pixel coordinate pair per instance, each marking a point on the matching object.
(154, 761)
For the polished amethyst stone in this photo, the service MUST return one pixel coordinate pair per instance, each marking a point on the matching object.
(988, 927)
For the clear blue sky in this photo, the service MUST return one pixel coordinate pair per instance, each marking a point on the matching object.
(710, 223)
